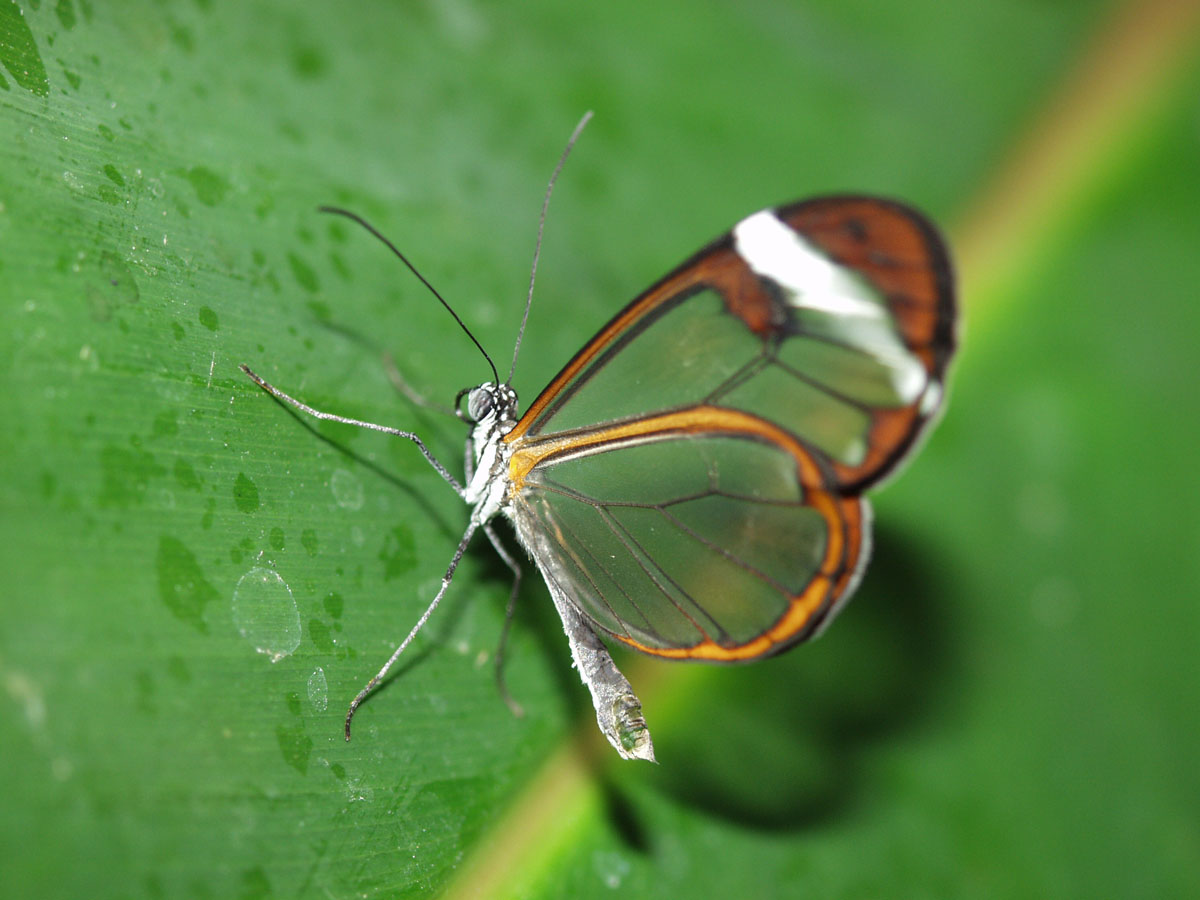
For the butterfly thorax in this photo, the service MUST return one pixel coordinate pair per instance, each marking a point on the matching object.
(493, 409)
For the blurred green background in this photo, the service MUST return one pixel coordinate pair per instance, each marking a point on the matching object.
(196, 582)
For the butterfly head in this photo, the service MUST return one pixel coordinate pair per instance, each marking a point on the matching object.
(489, 407)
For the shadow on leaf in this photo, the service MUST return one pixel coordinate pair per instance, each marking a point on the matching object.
(779, 744)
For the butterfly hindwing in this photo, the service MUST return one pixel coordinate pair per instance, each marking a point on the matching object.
(704, 534)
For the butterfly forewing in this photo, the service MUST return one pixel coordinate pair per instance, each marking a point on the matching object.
(693, 472)
(831, 318)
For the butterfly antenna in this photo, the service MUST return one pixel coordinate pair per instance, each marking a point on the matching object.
(354, 217)
(537, 249)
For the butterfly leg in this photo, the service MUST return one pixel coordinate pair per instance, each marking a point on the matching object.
(515, 567)
(382, 673)
(395, 432)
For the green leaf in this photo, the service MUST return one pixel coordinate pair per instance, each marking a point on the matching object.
(198, 580)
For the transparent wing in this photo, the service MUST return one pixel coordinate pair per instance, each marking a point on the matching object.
(690, 536)
(833, 319)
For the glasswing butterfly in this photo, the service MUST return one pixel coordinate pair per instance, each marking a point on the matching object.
(691, 483)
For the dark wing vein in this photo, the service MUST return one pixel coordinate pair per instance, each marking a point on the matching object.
(736, 560)
(596, 592)
(740, 377)
(825, 388)
(618, 530)
(556, 488)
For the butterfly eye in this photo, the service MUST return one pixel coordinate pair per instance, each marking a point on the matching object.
(480, 403)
